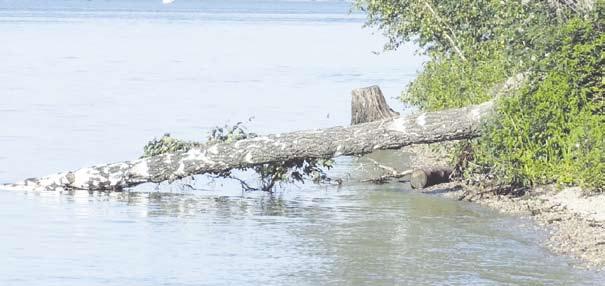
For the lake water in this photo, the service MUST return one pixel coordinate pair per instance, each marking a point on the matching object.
(88, 82)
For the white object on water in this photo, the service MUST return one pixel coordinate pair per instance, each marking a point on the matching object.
(167, 1)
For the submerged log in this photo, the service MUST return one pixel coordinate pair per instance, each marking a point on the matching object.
(368, 104)
(388, 133)
(427, 177)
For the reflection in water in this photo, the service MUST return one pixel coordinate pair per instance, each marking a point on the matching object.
(378, 235)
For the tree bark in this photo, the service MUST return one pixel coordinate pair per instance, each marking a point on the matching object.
(368, 104)
(392, 133)
(389, 133)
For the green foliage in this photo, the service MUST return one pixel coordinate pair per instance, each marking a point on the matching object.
(445, 26)
(453, 82)
(230, 133)
(472, 45)
(166, 144)
(553, 130)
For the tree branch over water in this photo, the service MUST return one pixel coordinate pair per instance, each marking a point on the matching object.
(220, 157)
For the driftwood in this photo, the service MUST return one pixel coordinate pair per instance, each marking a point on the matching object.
(390, 133)
(427, 177)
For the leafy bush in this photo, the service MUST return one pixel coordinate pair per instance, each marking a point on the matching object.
(553, 129)
(472, 45)
(458, 27)
(453, 82)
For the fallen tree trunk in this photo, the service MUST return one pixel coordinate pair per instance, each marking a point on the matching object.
(367, 105)
(389, 133)
(358, 139)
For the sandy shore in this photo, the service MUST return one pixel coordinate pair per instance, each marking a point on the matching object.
(575, 222)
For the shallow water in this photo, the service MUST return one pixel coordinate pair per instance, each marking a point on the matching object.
(86, 82)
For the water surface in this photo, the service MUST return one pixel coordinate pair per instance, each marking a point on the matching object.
(88, 82)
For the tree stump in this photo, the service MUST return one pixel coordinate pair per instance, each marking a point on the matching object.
(368, 104)
(427, 177)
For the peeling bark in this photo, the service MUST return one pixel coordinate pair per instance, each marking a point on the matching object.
(392, 133)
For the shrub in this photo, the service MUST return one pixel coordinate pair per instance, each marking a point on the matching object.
(450, 82)
(553, 129)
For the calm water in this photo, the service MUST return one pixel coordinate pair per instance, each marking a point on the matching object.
(86, 82)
